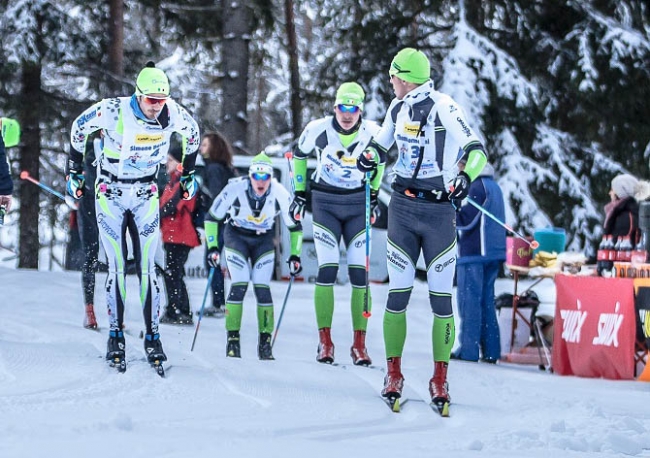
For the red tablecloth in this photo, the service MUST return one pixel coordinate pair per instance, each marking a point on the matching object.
(595, 326)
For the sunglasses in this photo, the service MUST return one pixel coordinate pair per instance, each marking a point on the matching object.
(348, 108)
(260, 176)
(154, 100)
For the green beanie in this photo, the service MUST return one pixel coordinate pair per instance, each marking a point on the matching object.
(350, 94)
(151, 80)
(261, 164)
(411, 65)
(10, 132)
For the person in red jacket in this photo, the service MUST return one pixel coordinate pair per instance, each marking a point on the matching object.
(179, 236)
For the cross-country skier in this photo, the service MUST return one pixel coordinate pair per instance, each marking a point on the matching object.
(136, 135)
(249, 206)
(429, 128)
(338, 209)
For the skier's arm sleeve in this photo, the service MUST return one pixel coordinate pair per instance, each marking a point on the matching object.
(295, 235)
(189, 131)
(453, 118)
(303, 149)
(89, 121)
(211, 233)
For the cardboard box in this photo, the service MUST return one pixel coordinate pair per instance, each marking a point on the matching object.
(518, 252)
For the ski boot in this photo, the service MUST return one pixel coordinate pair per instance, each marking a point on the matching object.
(217, 312)
(325, 347)
(264, 349)
(233, 349)
(439, 388)
(115, 350)
(358, 350)
(155, 353)
(90, 322)
(175, 316)
(393, 382)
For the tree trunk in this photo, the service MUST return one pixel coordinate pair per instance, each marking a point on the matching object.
(29, 194)
(237, 30)
(294, 72)
(116, 44)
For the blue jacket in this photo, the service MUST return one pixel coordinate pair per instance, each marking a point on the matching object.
(6, 185)
(480, 239)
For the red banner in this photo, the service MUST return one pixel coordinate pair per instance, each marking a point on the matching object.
(595, 327)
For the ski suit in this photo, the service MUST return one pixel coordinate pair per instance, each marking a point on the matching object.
(429, 129)
(249, 248)
(133, 147)
(338, 209)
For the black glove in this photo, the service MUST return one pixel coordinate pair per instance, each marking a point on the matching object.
(297, 207)
(213, 257)
(375, 212)
(75, 180)
(295, 267)
(460, 187)
(367, 161)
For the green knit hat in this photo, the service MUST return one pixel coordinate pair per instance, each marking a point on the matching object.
(261, 164)
(10, 132)
(151, 80)
(411, 66)
(350, 94)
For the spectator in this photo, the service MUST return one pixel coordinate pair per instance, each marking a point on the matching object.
(179, 236)
(481, 250)
(217, 153)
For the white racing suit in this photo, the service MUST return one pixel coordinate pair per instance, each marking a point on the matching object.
(133, 148)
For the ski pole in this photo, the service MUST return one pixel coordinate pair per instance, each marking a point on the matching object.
(205, 296)
(534, 244)
(24, 175)
(284, 303)
(366, 297)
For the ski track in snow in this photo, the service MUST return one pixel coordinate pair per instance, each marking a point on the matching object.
(56, 389)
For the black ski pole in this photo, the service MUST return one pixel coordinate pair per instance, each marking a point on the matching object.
(284, 303)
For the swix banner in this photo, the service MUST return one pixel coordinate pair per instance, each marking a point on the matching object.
(595, 327)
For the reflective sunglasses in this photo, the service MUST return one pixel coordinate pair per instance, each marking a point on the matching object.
(154, 100)
(260, 176)
(348, 108)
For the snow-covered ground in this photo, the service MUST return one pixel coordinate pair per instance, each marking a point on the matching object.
(58, 397)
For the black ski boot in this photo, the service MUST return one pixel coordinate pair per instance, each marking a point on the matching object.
(115, 350)
(233, 350)
(264, 349)
(154, 349)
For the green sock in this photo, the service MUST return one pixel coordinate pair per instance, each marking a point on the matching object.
(394, 333)
(443, 335)
(359, 322)
(265, 319)
(324, 303)
(233, 316)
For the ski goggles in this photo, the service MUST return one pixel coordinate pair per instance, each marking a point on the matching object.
(154, 100)
(348, 108)
(260, 176)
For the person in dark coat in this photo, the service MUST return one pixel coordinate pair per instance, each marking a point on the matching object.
(482, 249)
(622, 212)
(217, 153)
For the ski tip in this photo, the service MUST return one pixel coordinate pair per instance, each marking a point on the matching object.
(396, 405)
(367, 314)
(24, 174)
